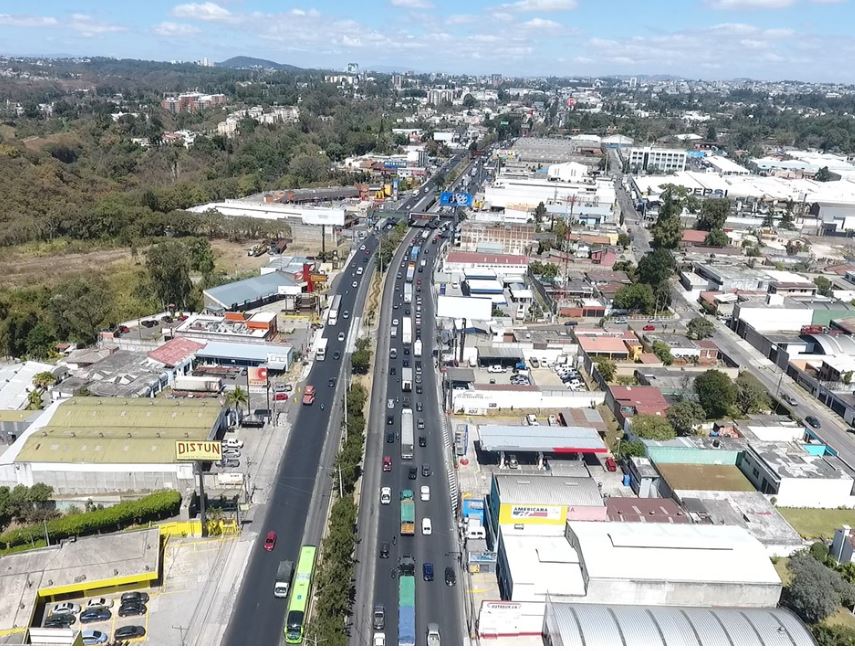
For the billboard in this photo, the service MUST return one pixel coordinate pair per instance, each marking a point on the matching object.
(455, 199)
(532, 514)
(198, 450)
(322, 216)
(257, 375)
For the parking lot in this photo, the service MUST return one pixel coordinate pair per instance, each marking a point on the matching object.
(118, 617)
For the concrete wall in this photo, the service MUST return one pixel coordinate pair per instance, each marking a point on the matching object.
(86, 479)
(672, 593)
(816, 493)
(668, 454)
(482, 402)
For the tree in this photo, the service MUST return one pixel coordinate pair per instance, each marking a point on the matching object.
(624, 240)
(469, 101)
(717, 238)
(663, 352)
(607, 368)
(751, 395)
(637, 297)
(712, 136)
(823, 175)
(237, 399)
(700, 328)
(539, 212)
(684, 416)
(656, 267)
(713, 214)
(627, 449)
(668, 229)
(716, 393)
(40, 341)
(815, 591)
(168, 265)
(653, 427)
(823, 284)
(79, 309)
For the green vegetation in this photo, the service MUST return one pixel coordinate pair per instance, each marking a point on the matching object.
(817, 523)
(713, 214)
(663, 352)
(548, 271)
(360, 360)
(816, 591)
(823, 285)
(607, 368)
(716, 238)
(334, 576)
(157, 506)
(685, 416)
(751, 395)
(25, 504)
(700, 328)
(627, 449)
(637, 297)
(716, 393)
(651, 426)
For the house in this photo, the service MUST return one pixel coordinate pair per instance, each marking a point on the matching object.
(630, 401)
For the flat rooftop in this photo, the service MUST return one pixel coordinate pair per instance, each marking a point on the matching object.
(547, 490)
(791, 461)
(547, 562)
(115, 559)
(644, 509)
(523, 438)
(695, 477)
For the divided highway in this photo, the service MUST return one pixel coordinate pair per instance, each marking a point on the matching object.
(257, 618)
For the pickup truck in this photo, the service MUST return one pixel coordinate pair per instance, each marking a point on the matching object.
(309, 395)
(283, 579)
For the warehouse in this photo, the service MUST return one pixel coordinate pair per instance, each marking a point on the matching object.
(86, 446)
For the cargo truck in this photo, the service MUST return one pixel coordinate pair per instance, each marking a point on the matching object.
(414, 254)
(407, 433)
(408, 513)
(407, 329)
(283, 579)
(407, 602)
(408, 293)
(411, 271)
(321, 351)
(406, 379)
(199, 383)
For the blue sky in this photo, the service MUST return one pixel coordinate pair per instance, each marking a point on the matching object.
(711, 39)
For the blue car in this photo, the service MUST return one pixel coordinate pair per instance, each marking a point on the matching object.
(427, 571)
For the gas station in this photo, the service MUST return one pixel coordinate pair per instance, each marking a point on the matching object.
(512, 439)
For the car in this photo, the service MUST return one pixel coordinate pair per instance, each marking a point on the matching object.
(270, 541)
(128, 633)
(232, 442)
(406, 363)
(426, 470)
(345, 315)
(424, 492)
(531, 419)
(813, 421)
(393, 353)
(384, 549)
(59, 621)
(419, 406)
(359, 271)
(379, 639)
(134, 596)
(101, 614)
(390, 436)
(495, 368)
(131, 608)
(432, 637)
(228, 463)
(395, 306)
(513, 464)
(790, 400)
(412, 473)
(336, 355)
(362, 248)
(331, 382)
(450, 576)
(421, 423)
(407, 312)
(390, 419)
(427, 571)
(395, 322)
(400, 275)
(354, 284)
(341, 336)
(231, 453)
(422, 441)
(100, 602)
(65, 608)
(390, 403)
(393, 371)
(387, 463)
(419, 389)
(378, 621)
(94, 637)
(385, 495)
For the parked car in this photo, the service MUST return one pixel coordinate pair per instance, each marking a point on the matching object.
(128, 633)
(94, 637)
(270, 541)
(98, 614)
(134, 596)
(228, 463)
(100, 602)
(65, 608)
(649, 328)
(131, 608)
(790, 400)
(495, 368)
(60, 621)
(531, 419)
(513, 464)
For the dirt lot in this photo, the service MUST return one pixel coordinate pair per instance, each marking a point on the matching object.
(231, 257)
(21, 267)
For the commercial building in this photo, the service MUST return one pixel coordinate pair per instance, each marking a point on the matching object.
(192, 102)
(522, 196)
(652, 160)
(111, 445)
(16, 382)
(497, 265)
(725, 166)
(496, 237)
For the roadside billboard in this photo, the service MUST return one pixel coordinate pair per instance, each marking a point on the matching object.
(455, 199)
(322, 216)
(257, 375)
(532, 514)
(198, 450)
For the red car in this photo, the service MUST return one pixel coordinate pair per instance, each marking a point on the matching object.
(270, 541)
(649, 328)
(387, 464)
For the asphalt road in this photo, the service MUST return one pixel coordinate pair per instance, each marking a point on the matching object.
(257, 617)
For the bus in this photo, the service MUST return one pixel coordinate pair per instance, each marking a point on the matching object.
(334, 307)
(301, 593)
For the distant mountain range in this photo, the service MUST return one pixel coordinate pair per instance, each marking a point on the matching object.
(244, 63)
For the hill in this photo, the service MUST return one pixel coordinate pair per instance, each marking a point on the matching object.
(242, 63)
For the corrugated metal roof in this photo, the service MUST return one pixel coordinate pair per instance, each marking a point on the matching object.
(245, 352)
(521, 438)
(601, 625)
(248, 290)
(548, 490)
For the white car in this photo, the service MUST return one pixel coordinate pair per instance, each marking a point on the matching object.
(341, 336)
(101, 602)
(425, 493)
(390, 403)
(65, 608)
(354, 284)
(359, 271)
(395, 322)
(496, 368)
(426, 527)
(531, 419)
(385, 495)
(379, 639)
(232, 443)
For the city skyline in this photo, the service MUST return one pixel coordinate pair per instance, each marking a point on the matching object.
(697, 39)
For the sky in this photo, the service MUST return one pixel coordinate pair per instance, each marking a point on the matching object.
(810, 40)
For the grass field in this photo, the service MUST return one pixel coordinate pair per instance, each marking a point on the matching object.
(818, 523)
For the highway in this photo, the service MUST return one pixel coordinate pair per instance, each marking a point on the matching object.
(296, 508)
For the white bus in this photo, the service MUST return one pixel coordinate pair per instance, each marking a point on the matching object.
(333, 315)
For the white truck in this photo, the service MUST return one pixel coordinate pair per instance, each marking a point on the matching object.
(417, 348)
(408, 293)
(199, 383)
(321, 350)
(407, 326)
(283, 579)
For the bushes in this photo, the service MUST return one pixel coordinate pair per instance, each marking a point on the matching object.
(157, 506)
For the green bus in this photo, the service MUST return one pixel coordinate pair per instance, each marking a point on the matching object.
(301, 593)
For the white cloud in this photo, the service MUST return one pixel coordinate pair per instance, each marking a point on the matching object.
(541, 5)
(174, 30)
(23, 20)
(460, 19)
(208, 11)
(412, 4)
(541, 23)
(87, 26)
(502, 16)
(314, 13)
(750, 4)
